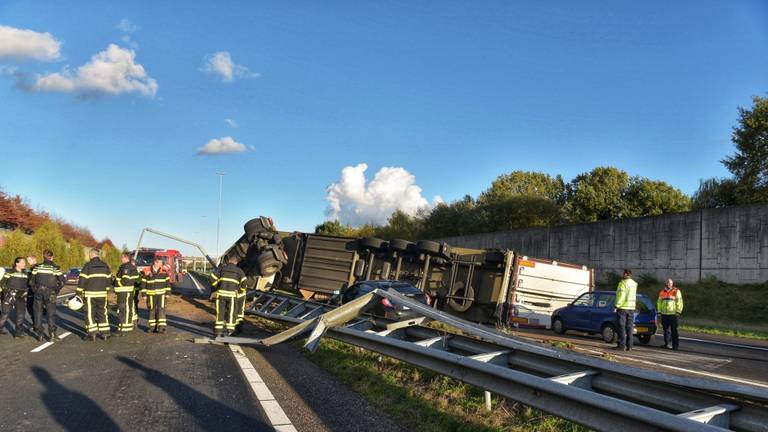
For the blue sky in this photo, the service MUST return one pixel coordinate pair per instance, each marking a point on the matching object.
(454, 93)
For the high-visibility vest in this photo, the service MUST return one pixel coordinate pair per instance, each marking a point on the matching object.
(670, 302)
(626, 294)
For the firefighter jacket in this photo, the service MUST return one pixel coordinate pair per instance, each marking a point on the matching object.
(15, 281)
(126, 277)
(46, 276)
(95, 279)
(228, 280)
(156, 282)
(626, 294)
(670, 301)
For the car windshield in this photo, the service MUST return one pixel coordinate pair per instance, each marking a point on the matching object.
(74, 270)
(144, 259)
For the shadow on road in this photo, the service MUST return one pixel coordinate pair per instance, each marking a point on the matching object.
(72, 410)
(210, 414)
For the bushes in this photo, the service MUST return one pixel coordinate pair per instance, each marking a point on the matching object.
(48, 236)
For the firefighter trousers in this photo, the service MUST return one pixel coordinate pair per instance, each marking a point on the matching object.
(14, 301)
(96, 318)
(156, 308)
(240, 307)
(226, 311)
(125, 310)
(44, 303)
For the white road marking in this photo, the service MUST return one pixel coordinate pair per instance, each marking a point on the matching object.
(707, 374)
(47, 344)
(275, 413)
(728, 344)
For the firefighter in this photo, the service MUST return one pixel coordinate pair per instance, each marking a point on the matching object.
(31, 263)
(155, 285)
(15, 285)
(46, 281)
(228, 281)
(626, 296)
(93, 287)
(136, 295)
(240, 308)
(670, 306)
(126, 278)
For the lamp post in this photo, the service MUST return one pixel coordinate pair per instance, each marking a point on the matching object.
(221, 175)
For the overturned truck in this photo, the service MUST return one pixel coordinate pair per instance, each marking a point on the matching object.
(480, 285)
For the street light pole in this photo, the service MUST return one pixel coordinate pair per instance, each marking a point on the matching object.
(218, 222)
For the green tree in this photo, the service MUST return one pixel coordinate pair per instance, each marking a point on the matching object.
(526, 183)
(521, 211)
(401, 225)
(715, 193)
(15, 244)
(749, 164)
(456, 218)
(336, 228)
(75, 256)
(49, 236)
(597, 195)
(111, 256)
(646, 197)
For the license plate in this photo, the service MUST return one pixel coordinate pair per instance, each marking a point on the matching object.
(641, 329)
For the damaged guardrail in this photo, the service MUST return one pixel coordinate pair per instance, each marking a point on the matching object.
(596, 393)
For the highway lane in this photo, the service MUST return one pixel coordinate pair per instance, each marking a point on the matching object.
(146, 381)
(699, 355)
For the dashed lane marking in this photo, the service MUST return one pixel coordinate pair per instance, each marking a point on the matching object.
(47, 344)
(271, 407)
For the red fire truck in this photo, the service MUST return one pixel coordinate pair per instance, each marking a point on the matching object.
(171, 259)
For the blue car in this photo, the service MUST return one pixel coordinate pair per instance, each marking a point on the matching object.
(593, 313)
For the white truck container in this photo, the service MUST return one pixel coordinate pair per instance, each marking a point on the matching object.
(539, 287)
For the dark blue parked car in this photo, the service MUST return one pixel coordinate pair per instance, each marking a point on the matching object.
(593, 313)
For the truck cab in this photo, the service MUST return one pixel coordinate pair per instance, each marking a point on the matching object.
(171, 258)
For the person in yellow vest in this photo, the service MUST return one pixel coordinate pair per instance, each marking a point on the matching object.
(670, 306)
(626, 296)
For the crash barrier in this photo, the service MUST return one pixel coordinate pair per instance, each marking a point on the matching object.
(596, 393)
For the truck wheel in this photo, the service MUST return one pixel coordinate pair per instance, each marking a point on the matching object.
(465, 297)
(644, 339)
(268, 265)
(609, 333)
(558, 326)
(400, 245)
(494, 257)
(372, 243)
(429, 247)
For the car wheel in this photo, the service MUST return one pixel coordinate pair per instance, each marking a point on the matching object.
(608, 333)
(372, 242)
(558, 326)
(644, 339)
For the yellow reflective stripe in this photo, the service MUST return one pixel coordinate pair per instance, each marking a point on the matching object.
(234, 281)
(129, 277)
(224, 293)
(122, 289)
(213, 275)
(95, 275)
(95, 293)
(17, 275)
(155, 280)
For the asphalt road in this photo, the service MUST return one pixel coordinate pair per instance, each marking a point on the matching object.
(152, 382)
(699, 355)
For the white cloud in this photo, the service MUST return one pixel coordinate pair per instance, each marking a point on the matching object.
(353, 200)
(128, 28)
(221, 64)
(222, 145)
(24, 44)
(112, 71)
(230, 122)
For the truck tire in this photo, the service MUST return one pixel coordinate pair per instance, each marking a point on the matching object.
(494, 257)
(462, 304)
(428, 246)
(372, 243)
(253, 227)
(400, 245)
(268, 265)
(608, 333)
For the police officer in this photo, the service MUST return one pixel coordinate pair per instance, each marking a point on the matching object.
(126, 278)
(93, 287)
(670, 306)
(46, 281)
(15, 285)
(626, 296)
(155, 285)
(228, 280)
(31, 263)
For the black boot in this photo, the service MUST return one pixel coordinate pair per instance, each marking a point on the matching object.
(39, 335)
